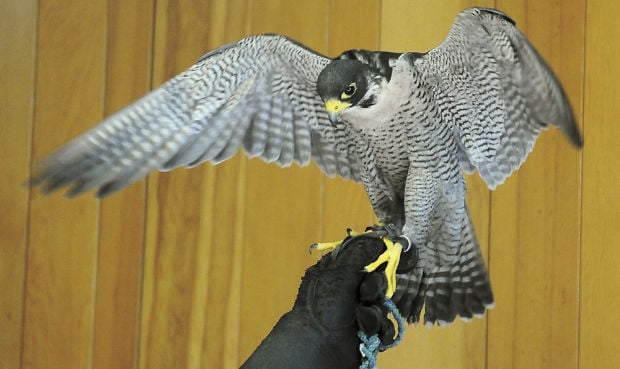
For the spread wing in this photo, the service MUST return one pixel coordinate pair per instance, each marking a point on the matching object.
(257, 93)
(496, 91)
(486, 87)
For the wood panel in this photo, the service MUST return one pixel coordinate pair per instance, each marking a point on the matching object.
(17, 73)
(177, 245)
(600, 251)
(227, 22)
(121, 224)
(345, 203)
(63, 234)
(535, 216)
(282, 206)
(420, 26)
(192, 268)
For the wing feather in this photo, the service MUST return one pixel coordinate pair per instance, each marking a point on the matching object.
(495, 90)
(258, 94)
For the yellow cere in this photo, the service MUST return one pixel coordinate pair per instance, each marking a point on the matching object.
(335, 106)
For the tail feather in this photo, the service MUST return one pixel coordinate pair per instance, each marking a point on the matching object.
(409, 294)
(447, 291)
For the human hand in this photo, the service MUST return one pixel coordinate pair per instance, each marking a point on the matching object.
(336, 299)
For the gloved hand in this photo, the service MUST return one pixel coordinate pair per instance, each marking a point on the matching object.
(336, 298)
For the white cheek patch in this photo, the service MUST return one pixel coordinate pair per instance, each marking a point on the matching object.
(390, 99)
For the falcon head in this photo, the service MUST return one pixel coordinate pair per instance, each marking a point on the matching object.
(348, 84)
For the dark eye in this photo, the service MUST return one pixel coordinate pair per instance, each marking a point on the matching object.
(349, 91)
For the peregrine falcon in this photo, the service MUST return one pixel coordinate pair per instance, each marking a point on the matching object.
(405, 125)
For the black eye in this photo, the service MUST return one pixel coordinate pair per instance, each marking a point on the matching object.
(349, 91)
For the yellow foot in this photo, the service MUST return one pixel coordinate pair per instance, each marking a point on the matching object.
(392, 256)
(322, 246)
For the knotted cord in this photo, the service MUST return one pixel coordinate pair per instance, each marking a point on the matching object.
(371, 346)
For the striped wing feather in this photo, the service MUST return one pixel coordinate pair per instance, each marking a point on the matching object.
(257, 94)
(496, 91)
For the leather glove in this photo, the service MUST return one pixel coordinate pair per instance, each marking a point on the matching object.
(336, 299)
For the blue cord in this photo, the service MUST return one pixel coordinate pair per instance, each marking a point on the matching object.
(371, 346)
(369, 349)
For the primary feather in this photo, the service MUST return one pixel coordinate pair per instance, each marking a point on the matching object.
(406, 127)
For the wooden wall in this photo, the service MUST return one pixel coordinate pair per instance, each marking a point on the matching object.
(191, 269)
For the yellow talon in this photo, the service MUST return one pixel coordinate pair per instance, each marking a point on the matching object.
(322, 246)
(353, 233)
(392, 256)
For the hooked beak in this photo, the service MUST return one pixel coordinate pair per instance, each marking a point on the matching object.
(334, 109)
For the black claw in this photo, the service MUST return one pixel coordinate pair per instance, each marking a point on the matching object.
(408, 261)
(388, 333)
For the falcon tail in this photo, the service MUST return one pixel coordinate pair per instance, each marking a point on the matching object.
(462, 288)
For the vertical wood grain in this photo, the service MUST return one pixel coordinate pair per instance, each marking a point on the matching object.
(220, 343)
(224, 246)
(283, 206)
(63, 234)
(176, 246)
(17, 73)
(227, 22)
(420, 26)
(121, 235)
(345, 203)
(535, 216)
(600, 251)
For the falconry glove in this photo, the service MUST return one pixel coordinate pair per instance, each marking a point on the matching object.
(336, 299)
